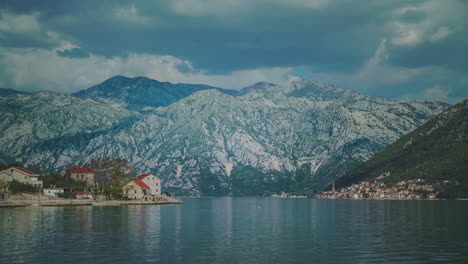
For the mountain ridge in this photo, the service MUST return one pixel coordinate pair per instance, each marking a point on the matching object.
(142, 93)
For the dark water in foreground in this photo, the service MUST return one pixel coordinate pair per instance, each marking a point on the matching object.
(240, 230)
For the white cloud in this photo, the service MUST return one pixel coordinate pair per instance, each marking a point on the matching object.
(436, 93)
(233, 7)
(19, 23)
(209, 7)
(28, 27)
(441, 17)
(24, 70)
(131, 15)
(305, 3)
(406, 35)
(440, 34)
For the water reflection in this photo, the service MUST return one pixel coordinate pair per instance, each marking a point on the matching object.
(239, 230)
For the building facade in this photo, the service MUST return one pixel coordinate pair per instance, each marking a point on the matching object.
(145, 187)
(21, 175)
(82, 174)
(152, 181)
(54, 192)
(136, 190)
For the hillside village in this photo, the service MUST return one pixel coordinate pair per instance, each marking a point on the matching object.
(403, 190)
(80, 184)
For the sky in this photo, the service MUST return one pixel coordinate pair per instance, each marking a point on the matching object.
(402, 50)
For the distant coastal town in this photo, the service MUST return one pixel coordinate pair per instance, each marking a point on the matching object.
(403, 190)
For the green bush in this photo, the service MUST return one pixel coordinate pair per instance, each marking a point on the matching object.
(65, 195)
(17, 187)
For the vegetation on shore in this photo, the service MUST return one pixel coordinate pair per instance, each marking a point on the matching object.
(112, 175)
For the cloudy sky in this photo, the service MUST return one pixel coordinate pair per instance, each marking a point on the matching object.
(404, 50)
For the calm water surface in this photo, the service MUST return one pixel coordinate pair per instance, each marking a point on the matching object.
(240, 230)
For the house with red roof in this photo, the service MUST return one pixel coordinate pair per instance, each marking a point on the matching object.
(82, 174)
(84, 195)
(144, 187)
(20, 174)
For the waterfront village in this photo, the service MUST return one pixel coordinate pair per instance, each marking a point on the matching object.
(146, 188)
(20, 186)
(403, 190)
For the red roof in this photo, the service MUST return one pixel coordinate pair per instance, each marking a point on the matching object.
(81, 170)
(25, 170)
(142, 184)
(142, 176)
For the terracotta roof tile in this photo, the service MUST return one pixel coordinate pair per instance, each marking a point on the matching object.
(142, 176)
(25, 170)
(81, 170)
(141, 184)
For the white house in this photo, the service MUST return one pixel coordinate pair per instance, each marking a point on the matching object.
(152, 181)
(143, 187)
(136, 190)
(52, 191)
(21, 175)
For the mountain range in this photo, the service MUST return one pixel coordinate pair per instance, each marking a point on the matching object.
(294, 137)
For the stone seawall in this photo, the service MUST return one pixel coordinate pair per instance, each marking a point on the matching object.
(74, 202)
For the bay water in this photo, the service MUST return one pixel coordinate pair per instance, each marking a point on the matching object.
(239, 230)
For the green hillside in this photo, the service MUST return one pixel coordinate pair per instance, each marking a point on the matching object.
(436, 152)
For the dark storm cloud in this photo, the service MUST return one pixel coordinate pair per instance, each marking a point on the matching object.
(220, 37)
(339, 37)
(451, 53)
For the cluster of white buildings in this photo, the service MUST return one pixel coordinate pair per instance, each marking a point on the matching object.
(403, 190)
(286, 195)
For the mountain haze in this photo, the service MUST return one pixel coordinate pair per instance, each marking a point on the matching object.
(295, 137)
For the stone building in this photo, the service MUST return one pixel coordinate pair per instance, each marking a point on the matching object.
(82, 174)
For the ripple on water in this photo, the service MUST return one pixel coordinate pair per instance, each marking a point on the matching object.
(244, 230)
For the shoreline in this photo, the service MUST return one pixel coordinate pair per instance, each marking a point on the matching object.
(74, 203)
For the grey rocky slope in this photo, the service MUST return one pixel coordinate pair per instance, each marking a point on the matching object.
(294, 137)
